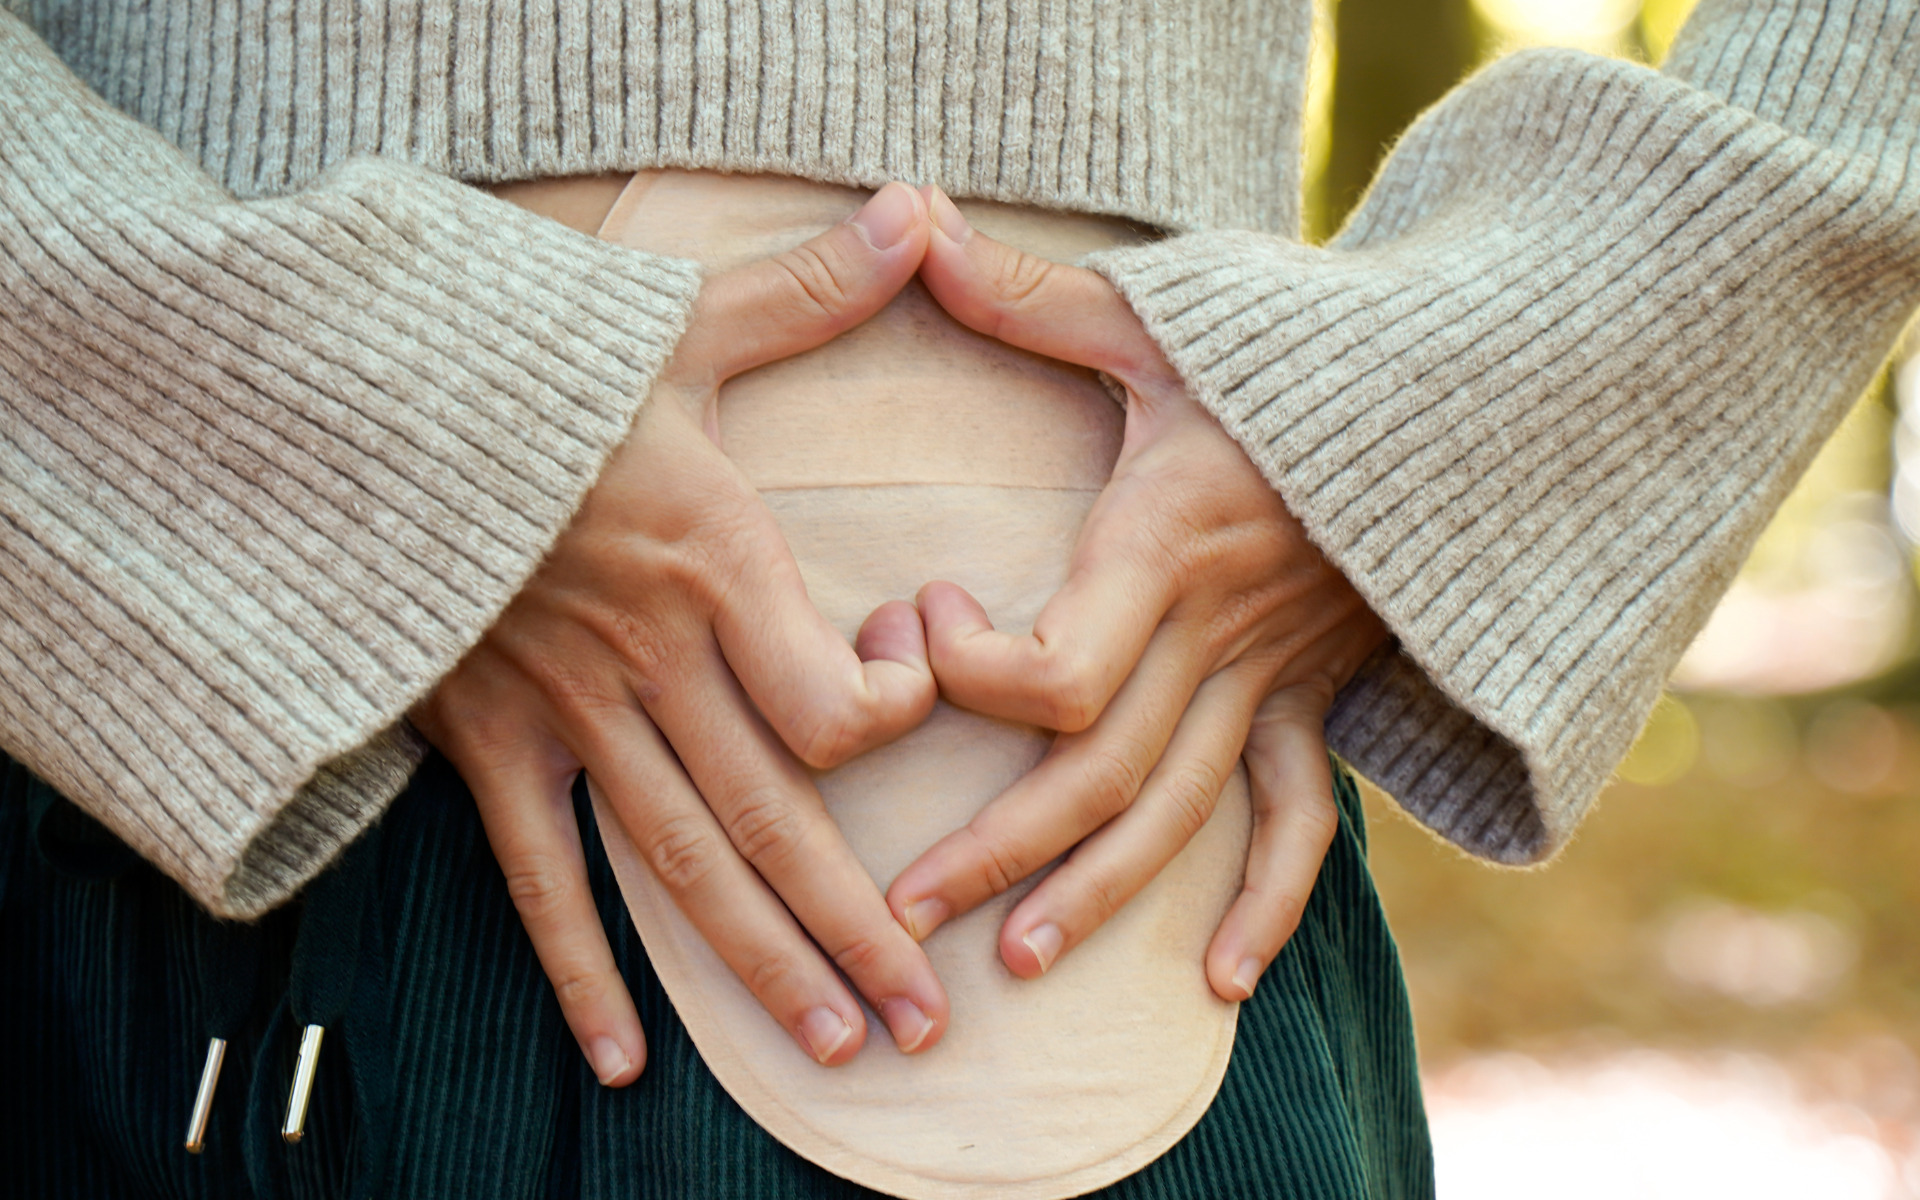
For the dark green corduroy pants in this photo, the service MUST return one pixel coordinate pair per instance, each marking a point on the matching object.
(447, 1071)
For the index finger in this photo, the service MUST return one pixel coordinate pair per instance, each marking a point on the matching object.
(636, 773)
(1084, 643)
(827, 700)
(776, 820)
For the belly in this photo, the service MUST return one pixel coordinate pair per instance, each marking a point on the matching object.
(907, 450)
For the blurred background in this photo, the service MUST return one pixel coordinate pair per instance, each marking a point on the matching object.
(1715, 991)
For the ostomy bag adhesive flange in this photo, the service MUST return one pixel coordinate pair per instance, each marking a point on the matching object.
(907, 450)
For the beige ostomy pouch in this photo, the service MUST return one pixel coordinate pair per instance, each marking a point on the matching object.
(907, 450)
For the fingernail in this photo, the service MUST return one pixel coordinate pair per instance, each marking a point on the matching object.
(1045, 942)
(824, 1031)
(925, 916)
(608, 1059)
(886, 219)
(947, 217)
(906, 1022)
(1246, 975)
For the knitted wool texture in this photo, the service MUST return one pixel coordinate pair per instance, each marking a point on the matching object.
(284, 426)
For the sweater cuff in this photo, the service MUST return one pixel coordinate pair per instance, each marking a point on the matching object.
(1536, 403)
(268, 470)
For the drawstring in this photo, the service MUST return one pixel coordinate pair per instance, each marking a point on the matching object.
(229, 968)
(338, 986)
(226, 956)
(70, 841)
(337, 982)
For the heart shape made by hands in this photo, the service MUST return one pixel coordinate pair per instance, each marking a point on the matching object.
(906, 450)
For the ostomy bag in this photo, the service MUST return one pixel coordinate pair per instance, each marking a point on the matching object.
(912, 449)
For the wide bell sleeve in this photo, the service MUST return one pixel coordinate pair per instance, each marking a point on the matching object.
(1540, 396)
(268, 469)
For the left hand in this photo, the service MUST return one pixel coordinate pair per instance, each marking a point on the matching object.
(1198, 622)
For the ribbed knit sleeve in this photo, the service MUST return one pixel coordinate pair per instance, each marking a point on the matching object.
(268, 469)
(1540, 396)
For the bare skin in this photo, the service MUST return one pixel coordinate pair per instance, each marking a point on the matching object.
(668, 648)
(1198, 623)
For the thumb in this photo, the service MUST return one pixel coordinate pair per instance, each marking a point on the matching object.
(809, 295)
(1063, 312)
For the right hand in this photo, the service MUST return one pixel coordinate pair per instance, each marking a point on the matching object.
(1199, 624)
(668, 647)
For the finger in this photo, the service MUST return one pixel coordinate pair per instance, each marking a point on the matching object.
(1050, 308)
(1294, 822)
(1110, 867)
(524, 793)
(635, 771)
(826, 700)
(807, 296)
(774, 817)
(1084, 643)
(1085, 781)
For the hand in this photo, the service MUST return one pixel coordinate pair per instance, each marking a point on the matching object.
(667, 646)
(1197, 620)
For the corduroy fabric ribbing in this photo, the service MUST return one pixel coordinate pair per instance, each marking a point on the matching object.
(268, 469)
(1539, 397)
(103, 1027)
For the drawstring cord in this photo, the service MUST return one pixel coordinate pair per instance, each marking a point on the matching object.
(338, 983)
(229, 970)
(69, 840)
(337, 979)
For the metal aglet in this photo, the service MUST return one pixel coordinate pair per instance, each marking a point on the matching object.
(295, 1128)
(203, 1099)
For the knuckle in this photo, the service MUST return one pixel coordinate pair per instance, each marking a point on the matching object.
(580, 691)
(682, 567)
(1300, 703)
(1002, 867)
(830, 733)
(814, 279)
(860, 957)
(482, 733)
(765, 826)
(1319, 688)
(1238, 610)
(1112, 778)
(703, 558)
(682, 853)
(770, 975)
(1022, 276)
(637, 638)
(1102, 894)
(540, 888)
(1192, 790)
(1319, 822)
(997, 865)
(580, 989)
(1073, 691)
(1282, 904)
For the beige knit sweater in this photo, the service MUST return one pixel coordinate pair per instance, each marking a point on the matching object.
(287, 416)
